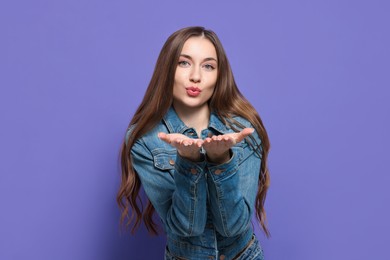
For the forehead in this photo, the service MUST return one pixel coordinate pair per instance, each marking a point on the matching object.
(199, 47)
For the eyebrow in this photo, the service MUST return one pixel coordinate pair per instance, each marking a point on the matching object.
(205, 59)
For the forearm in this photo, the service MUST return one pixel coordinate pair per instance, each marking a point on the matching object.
(175, 186)
(187, 214)
(232, 188)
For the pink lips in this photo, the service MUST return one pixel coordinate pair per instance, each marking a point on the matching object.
(193, 91)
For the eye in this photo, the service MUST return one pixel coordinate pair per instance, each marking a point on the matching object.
(209, 67)
(184, 63)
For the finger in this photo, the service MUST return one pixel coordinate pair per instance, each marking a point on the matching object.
(198, 143)
(207, 140)
(225, 139)
(244, 133)
(161, 135)
(187, 142)
(247, 131)
(164, 137)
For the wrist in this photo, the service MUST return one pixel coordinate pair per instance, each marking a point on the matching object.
(219, 158)
(194, 157)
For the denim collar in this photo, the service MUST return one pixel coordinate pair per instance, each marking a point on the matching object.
(176, 125)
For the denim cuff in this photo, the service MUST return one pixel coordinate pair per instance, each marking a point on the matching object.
(194, 170)
(219, 172)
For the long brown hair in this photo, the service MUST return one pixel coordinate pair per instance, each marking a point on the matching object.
(226, 102)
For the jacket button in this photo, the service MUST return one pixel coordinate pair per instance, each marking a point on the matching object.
(210, 134)
(222, 257)
(218, 171)
(171, 162)
(194, 171)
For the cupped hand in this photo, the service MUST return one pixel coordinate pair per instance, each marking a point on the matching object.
(187, 147)
(217, 147)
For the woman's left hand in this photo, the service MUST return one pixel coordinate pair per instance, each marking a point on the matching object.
(217, 147)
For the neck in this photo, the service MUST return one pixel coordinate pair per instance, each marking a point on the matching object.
(197, 118)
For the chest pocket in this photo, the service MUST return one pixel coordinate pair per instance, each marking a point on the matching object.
(164, 159)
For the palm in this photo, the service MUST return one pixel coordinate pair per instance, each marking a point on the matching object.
(186, 147)
(217, 147)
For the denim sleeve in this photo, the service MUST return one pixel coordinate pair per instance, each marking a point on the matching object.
(178, 194)
(233, 187)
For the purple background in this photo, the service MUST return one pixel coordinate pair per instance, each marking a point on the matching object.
(73, 72)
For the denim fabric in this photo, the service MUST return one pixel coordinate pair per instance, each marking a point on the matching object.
(206, 209)
(252, 252)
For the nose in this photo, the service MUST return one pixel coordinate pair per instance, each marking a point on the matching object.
(195, 75)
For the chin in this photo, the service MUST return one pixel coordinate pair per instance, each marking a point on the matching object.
(188, 104)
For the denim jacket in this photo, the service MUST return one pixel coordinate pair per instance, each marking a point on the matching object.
(205, 208)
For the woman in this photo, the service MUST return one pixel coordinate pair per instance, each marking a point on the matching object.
(199, 149)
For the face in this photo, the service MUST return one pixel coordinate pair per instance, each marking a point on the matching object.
(196, 74)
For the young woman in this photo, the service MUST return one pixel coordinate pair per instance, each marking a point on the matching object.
(199, 149)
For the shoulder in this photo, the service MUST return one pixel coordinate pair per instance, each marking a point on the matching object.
(149, 134)
(149, 140)
(243, 121)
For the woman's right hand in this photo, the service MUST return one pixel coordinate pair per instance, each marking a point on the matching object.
(186, 147)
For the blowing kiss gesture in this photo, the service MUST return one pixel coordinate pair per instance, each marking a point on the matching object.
(217, 147)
